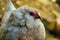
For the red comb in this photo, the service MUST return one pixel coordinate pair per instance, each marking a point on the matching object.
(36, 14)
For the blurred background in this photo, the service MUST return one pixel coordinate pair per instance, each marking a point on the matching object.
(49, 11)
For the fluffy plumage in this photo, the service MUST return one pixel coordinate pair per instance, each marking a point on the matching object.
(22, 24)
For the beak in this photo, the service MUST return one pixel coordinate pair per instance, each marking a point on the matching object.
(37, 16)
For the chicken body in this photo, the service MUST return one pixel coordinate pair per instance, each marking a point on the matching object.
(22, 24)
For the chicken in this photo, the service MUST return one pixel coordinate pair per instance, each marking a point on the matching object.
(22, 24)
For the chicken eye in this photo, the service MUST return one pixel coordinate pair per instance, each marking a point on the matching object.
(31, 13)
